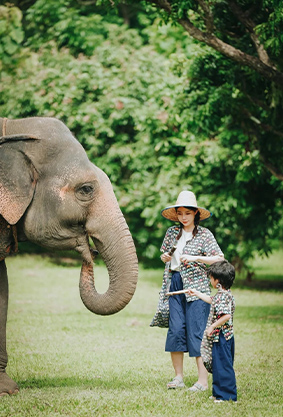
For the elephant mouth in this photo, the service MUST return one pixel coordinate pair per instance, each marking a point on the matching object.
(84, 246)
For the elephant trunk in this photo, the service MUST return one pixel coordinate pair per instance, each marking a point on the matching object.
(112, 238)
(123, 272)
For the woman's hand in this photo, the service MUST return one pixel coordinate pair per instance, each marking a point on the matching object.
(188, 258)
(165, 257)
(210, 330)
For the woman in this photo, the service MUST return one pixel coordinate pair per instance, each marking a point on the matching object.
(194, 247)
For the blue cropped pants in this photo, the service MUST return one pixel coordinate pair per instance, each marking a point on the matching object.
(187, 321)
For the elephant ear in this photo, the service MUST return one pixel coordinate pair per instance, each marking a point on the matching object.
(17, 177)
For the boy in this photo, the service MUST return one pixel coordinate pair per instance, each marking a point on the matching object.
(219, 329)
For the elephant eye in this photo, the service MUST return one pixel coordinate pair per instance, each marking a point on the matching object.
(85, 192)
(86, 189)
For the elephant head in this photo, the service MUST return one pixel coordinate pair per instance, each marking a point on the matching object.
(51, 194)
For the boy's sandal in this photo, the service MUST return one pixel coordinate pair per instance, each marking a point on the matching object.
(221, 401)
(197, 387)
(176, 382)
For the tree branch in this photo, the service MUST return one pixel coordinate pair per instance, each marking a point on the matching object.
(257, 102)
(87, 2)
(208, 16)
(271, 168)
(233, 53)
(250, 25)
(278, 173)
(162, 4)
(266, 70)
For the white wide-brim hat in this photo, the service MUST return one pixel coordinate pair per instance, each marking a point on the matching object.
(185, 199)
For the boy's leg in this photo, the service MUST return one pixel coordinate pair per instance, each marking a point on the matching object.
(223, 375)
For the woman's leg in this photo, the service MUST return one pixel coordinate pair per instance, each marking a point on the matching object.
(197, 314)
(176, 336)
(202, 372)
(176, 342)
(177, 361)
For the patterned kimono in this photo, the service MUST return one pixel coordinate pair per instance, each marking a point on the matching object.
(219, 361)
(193, 274)
(223, 303)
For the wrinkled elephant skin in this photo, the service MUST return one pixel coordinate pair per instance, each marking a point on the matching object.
(52, 195)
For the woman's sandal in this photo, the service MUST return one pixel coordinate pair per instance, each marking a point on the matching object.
(176, 382)
(197, 387)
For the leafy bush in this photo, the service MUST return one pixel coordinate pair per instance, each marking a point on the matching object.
(158, 113)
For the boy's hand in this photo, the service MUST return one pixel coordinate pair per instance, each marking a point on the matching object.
(191, 291)
(206, 298)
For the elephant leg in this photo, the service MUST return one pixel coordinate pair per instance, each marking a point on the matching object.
(7, 385)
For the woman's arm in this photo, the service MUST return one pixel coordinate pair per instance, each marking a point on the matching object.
(209, 260)
(223, 319)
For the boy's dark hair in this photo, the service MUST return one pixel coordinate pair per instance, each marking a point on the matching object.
(224, 272)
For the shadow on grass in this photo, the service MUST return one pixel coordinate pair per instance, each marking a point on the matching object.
(259, 284)
(117, 383)
(271, 282)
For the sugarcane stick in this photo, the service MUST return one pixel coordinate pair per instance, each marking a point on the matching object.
(177, 292)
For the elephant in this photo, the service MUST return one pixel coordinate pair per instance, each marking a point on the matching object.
(52, 195)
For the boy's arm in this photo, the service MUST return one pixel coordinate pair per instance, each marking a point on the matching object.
(200, 295)
(218, 323)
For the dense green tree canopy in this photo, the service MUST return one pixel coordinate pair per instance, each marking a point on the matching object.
(160, 107)
(11, 37)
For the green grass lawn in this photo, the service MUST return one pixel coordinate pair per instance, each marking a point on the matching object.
(69, 362)
(268, 271)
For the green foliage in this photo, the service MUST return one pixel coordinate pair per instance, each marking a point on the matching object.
(11, 37)
(80, 27)
(79, 32)
(271, 31)
(159, 113)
